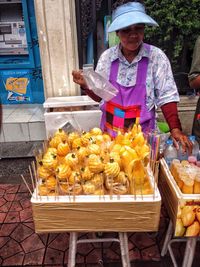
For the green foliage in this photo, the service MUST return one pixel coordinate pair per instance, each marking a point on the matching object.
(179, 26)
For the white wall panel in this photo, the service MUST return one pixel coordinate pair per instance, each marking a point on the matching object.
(56, 23)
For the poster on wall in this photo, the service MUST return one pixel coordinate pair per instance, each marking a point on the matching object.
(16, 87)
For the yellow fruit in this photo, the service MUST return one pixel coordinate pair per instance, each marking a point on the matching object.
(98, 180)
(62, 134)
(116, 148)
(82, 153)
(74, 178)
(89, 188)
(112, 169)
(94, 149)
(42, 172)
(43, 190)
(106, 138)
(116, 157)
(49, 161)
(63, 149)
(198, 213)
(188, 215)
(180, 229)
(99, 139)
(96, 131)
(137, 172)
(86, 174)
(72, 136)
(71, 159)
(138, 140)
(51, 183)
(193, 229)
(76, 143)
(55, 141)
(51, 150)
(63, 171)
(95, 164)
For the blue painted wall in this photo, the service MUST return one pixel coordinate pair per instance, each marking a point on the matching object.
(24, 71)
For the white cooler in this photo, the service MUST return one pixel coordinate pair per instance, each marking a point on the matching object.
(80, 113)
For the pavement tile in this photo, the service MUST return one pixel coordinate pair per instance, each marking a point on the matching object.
(13, 260)
(110, 255)
(142, 240)
(53, 257)
(8, 187)
(32, 243)
(11, 248)
(151, 253)
(34, 258)
(52, 236)
(93, 257)
(61, 242)
(26, 215)
(23, 188)
(12, 217)
(7, 229)
(21, 232)
(30, 225)
(134, 254)
(4, 205)
(12, 189)
(2, 191)
(4, 240)
(15, 206)
(21, 196)
(26, 203)
(9, 197)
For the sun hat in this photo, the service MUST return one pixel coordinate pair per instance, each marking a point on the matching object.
(129, 14)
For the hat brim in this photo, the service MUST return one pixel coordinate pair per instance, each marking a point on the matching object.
(130, 18)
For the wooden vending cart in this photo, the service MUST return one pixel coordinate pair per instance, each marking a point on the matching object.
(91, 213)
(184, 210)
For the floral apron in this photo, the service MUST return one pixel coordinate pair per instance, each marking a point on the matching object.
(129, 104)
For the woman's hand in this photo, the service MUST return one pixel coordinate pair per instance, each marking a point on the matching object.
(178, 136)
(79, 79)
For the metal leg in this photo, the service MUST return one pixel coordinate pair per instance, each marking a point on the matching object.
(124, 250)
(171, 251)
(189, 251)
(72, 249)
(167, 239)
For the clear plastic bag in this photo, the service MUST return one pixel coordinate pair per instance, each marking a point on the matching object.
(98, 84)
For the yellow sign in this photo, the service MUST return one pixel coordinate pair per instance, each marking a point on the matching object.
(17, 85)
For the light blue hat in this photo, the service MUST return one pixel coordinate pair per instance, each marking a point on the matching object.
(129, 14)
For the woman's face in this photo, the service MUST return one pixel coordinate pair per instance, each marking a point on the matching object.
(131, 37)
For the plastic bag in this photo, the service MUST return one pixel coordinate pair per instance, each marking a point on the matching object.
(98, 84)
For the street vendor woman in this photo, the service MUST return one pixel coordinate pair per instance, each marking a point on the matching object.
(141, 73)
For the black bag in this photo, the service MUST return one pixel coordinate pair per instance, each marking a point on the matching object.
(196, 122)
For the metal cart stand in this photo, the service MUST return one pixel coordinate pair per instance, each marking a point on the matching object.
(189, 249)
(73, 242)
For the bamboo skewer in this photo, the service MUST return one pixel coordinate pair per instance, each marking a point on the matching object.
(36, 179)
(33, 185)
(26, 185)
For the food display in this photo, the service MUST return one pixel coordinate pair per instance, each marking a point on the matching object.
(180, 189)
(187, 176)
(91, 163)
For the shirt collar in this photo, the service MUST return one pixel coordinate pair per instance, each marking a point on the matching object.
(118, 54)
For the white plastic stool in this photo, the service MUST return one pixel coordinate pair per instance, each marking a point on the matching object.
(189, 249)
(73, 242)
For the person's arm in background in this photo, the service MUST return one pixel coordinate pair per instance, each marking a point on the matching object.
(167, 97)
(79, 79)
(194, 75)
